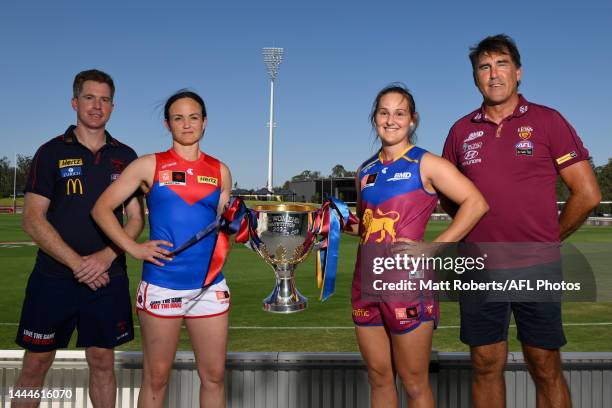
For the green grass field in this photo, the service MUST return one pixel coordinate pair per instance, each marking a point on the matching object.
(323, 327)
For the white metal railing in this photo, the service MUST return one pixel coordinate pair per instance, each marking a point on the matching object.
(270, 380)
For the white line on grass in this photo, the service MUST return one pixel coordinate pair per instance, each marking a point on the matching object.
(344, 327)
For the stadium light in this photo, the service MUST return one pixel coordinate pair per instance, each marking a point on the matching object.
(272, 57)
(15, 187)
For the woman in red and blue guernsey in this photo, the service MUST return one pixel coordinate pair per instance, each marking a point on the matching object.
(186, 191)
(396, 194)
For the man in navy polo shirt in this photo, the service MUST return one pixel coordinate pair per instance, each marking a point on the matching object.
(513, 150)
(79, 278)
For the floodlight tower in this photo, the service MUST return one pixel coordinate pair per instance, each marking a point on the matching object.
(272, 57)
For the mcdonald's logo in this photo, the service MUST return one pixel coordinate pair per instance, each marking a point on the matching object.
(72, 184)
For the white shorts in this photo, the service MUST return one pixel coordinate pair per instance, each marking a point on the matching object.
(193, 303)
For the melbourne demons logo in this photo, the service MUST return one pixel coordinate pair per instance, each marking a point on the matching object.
(382, 224)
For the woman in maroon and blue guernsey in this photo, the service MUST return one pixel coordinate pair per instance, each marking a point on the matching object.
(396, 194)
(186, 191)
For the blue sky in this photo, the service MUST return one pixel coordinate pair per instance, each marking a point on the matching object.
(338, 55)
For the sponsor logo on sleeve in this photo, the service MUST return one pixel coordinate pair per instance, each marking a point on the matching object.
(474, 135)
(524, 148)
(208, 180)
(471, 157)
(70, 163)
(74, 186)
(471, 154)
(473, 146)
(566, 157)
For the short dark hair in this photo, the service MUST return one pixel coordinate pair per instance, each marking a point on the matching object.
(400, 88)
(180, 94)
(91, 75)
(500, 43)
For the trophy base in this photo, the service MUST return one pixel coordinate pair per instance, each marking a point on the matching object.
(285, 298)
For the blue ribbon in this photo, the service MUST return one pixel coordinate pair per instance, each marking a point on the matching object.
(329, 256)
(230, 226)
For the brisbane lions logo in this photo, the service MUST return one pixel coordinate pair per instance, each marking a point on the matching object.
(383, 224)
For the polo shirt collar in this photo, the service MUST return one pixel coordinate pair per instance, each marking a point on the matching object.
(70, 137)
(521, 108)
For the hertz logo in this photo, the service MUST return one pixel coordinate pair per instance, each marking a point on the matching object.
(70, 162)
(208, 180)
(74, 185)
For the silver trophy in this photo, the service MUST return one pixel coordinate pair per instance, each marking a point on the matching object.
(284, 238)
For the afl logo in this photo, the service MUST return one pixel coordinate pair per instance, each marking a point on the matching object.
(524, 145)
(470, 155)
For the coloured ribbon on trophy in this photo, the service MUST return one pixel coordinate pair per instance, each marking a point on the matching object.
(333, 216)
(230, 222)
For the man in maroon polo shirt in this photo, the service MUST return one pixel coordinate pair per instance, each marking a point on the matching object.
(513, 150)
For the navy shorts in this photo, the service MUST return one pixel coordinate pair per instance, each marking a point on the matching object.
(53, 307)
(538, 323)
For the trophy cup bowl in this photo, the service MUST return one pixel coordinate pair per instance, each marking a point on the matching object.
(284, 239)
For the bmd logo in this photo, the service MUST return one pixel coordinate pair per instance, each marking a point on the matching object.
(474, 135)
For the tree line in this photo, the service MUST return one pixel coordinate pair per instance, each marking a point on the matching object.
(603, 174)
(7, 175)
(604, 179)
(337, 171)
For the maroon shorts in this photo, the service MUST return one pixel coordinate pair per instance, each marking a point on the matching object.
(397, 316)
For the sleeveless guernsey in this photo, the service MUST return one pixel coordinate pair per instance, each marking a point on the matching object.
(183, 200)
